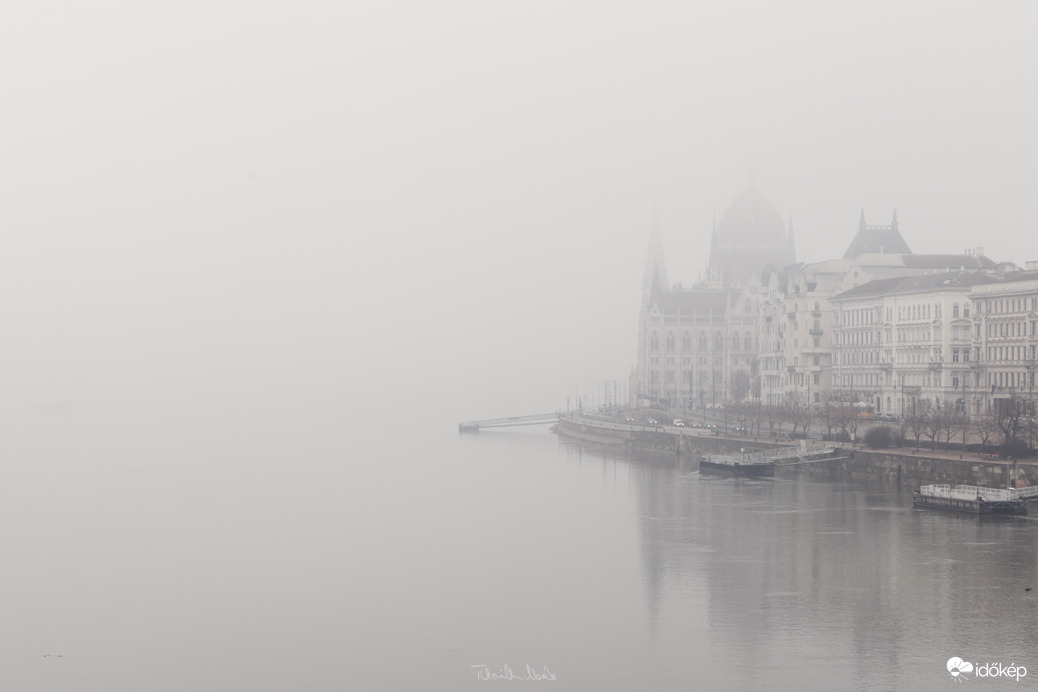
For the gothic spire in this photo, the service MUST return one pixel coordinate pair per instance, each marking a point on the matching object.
(791, 250)
(655, 276)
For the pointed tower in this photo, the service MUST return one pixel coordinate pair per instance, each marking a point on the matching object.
(713, 244)
(877, 239)
(714, 271)
(654, 277)
(791, 249)
(654, 283)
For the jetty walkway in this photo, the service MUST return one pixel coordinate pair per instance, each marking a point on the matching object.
(511, 421)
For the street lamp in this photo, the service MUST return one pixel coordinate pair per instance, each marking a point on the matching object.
(902, 407)
(965, 413)
(807, 430)
(1030, 406)
(690, 405)
(726, 405)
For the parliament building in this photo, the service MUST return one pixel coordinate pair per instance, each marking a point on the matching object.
(871, 328)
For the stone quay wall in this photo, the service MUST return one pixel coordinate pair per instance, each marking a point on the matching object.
(848, 463)
(899, 466)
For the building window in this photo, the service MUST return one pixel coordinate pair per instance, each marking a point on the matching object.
(686, 342)
(654, 343)
(955, 310)
(670, 342)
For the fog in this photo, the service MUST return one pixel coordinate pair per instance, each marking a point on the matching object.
(287, 225)
(416, 201)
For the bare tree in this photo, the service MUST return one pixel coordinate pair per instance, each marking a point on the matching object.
(954, 423)
(986, 427)
(847, 417)
(830, 415)
(774, 417)
(916, 422)
(754, 415)
(795, 410)
(929, 420)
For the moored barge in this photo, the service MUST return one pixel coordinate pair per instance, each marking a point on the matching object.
(735, 465)
(971, 499)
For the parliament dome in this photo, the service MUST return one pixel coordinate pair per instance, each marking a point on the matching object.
(749, 237)
(752, 223)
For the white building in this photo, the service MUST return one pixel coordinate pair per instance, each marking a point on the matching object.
(902, 339)
(1005, 313)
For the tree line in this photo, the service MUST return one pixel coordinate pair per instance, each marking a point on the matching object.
(1008, 428)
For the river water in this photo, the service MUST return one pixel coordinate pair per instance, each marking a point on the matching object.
(636, 572)
(424, 559)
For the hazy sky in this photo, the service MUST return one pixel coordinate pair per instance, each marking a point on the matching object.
(383, 203)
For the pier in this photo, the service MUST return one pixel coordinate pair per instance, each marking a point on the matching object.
(512, 421)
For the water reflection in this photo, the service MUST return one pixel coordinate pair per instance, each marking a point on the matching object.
(796, 579)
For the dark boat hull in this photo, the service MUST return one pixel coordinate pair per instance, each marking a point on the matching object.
(754, 470)
(979, 506)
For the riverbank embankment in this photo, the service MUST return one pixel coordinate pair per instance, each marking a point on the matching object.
(895, 465)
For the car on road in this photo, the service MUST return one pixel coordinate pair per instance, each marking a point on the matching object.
(652, 421)
(629, 419)
(679, 423)
(696, 424)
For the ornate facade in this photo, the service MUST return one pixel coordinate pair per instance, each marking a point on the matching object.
(698, 347)
(877, 326)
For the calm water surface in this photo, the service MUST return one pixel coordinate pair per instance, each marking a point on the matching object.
(401, 561)
(623, 573)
